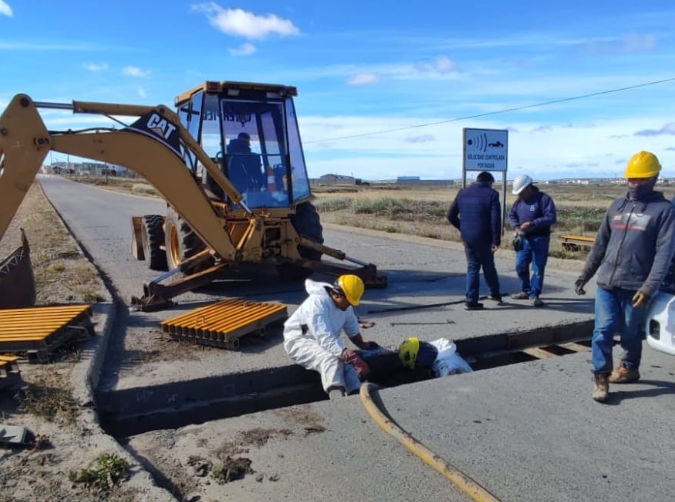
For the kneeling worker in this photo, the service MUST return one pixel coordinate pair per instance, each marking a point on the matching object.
(312, 334)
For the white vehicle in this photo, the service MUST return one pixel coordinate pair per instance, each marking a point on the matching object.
(660, 323)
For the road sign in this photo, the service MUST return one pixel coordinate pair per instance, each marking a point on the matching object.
(485, 149)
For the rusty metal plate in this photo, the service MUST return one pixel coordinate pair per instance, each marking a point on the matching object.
(222, 323)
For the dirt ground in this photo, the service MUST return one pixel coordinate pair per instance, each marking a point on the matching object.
(196, 464)
(44, 403)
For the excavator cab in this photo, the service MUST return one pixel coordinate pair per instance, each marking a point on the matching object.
(251, 132)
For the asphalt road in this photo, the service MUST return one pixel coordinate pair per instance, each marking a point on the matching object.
(420, 271)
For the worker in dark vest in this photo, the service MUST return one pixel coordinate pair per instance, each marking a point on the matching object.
(476, 213)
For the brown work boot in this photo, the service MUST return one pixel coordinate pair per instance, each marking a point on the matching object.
(601, 388)
(624, 375)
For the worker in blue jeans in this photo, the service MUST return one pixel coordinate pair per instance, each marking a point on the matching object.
(531, 217)
(476, 213)
(632, 254)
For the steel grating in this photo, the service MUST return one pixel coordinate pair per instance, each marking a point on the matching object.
(223, 323)
(9, 371)
(39, 331)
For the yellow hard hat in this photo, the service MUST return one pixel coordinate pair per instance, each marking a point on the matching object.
(643, 165)
(407, 352)
(352, 287)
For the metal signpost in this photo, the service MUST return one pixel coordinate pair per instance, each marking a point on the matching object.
(487, 150)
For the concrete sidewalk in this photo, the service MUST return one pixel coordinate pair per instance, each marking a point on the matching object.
(526, 432)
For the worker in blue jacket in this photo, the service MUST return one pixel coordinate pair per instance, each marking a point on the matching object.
(632, 255)
(531, 217)
(476, 213)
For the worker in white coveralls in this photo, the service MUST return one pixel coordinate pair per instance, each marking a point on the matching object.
(440, 357)
(312, 334)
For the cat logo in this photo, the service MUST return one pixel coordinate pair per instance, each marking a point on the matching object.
(160, 126)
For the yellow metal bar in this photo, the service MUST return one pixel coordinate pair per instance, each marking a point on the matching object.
(25, 142)
(215, 322)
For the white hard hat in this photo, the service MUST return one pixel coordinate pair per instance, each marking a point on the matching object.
(521, 183)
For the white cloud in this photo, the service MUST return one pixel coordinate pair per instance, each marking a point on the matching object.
(142, 93)
(96, 67)
(5, 9)
(244, 23)
(245, 49)
(365, 78)
(584, 150)
(444, 65)
(135, 71)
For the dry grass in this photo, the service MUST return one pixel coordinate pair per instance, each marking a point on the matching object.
(422, 210)
(62, 273)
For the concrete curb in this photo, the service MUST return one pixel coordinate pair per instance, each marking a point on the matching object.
(85, 378)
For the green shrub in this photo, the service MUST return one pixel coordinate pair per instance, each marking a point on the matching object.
(110, 469)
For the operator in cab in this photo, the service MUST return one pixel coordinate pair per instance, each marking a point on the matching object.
(244, 166)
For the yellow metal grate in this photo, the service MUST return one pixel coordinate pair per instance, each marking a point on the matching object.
(38, 331)
(222, 323)
(9, 370)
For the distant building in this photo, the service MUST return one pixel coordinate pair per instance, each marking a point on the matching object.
(336, 179)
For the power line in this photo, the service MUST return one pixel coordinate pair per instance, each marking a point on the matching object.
(506, 110)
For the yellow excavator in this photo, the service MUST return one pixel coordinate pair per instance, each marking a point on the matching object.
(229, 163)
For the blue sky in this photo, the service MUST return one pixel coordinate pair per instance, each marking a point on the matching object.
(367, 67)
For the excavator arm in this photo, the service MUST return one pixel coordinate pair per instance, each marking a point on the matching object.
(149, 147)
(152, 147)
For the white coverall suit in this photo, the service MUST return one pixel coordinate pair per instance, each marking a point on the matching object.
(448, 361)
(312, 337)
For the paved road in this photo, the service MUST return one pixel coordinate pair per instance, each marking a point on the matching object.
(527, 432)
(420, 271)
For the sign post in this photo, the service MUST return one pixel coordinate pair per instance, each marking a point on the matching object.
(487, 150)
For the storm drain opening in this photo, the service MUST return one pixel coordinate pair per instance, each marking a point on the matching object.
(129, 412)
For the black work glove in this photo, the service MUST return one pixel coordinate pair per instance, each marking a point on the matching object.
(579, 286)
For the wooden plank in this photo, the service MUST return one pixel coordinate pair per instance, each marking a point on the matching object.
(539, 353)
(576, 347)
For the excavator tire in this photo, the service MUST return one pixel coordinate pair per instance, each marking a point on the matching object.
(181, 242)
(307, 223)
(152, 236)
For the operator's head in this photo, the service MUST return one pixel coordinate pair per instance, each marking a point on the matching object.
(244, 137)
(642, 172)
(347, 290)
(414, 353)
(485, 177)
(522, 186)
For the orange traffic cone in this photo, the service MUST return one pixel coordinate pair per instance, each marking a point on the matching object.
(271, 181)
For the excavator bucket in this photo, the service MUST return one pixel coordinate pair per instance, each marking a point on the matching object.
(17, 282)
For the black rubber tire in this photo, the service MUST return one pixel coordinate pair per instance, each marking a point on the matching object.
(152, 239)
(307, 223)
(181, 242)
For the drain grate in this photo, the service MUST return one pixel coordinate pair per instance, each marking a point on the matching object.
(40, 331)
(222, 324)
(9, 371)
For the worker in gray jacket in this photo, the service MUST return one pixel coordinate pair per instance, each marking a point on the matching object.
(632, 254)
